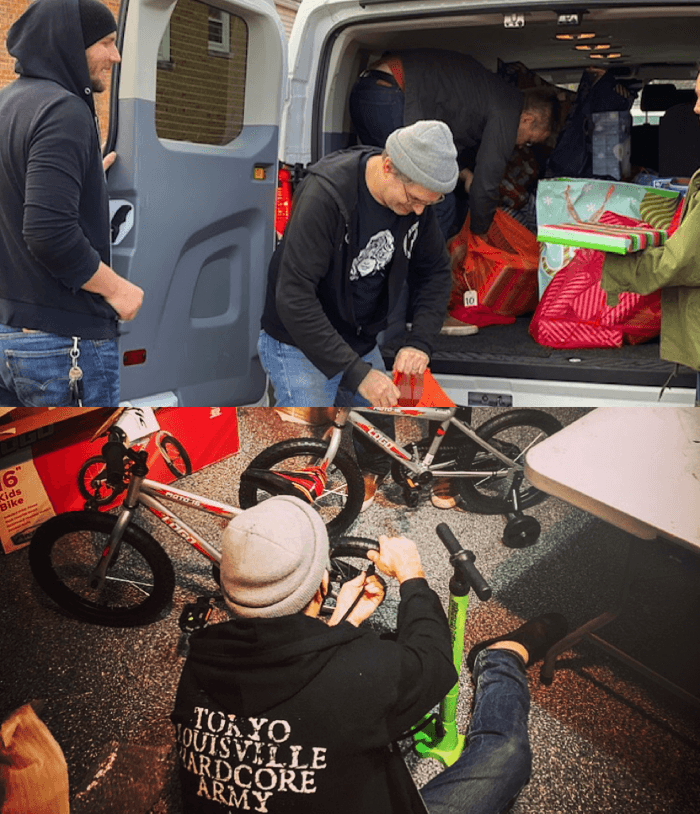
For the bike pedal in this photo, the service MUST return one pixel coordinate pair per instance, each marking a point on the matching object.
(195, 615)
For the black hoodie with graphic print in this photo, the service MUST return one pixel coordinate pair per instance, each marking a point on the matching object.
(54, 210)
(309, 301)
(290, 715)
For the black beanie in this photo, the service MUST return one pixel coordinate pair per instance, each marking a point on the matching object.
(96, 20)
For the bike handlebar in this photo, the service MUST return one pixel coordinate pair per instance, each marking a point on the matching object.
(113, 452)
(463, 560)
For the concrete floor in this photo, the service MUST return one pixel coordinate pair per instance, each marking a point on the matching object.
(604, 738)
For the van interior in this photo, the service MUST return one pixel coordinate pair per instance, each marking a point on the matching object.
(652, 48)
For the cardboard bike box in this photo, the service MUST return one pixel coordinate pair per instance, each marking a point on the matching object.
(42, 451)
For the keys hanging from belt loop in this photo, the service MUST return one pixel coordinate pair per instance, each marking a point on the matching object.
(75, 375)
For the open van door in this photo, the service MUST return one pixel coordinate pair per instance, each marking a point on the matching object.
(192, 193)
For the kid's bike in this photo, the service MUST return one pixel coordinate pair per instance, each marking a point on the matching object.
(487, 463)
(106, 569)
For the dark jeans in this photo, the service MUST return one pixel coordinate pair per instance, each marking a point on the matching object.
(496, 761)
(376, 111)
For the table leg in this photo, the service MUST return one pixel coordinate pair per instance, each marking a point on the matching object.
(547, 670)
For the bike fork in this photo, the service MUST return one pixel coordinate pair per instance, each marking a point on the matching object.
(111, 550)
(334, 435)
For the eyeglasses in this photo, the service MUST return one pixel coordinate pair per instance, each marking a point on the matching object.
(413, 201)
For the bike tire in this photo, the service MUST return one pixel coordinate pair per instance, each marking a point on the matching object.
(175, 456)
(350, 546)
(93, 487)
(341, 501)
(348, 557)
(513, 433)
(140, 582)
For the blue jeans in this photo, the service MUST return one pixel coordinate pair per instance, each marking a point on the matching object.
(496, 761)
(34, 370)
(299, 383)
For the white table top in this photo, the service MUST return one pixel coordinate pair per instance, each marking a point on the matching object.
(636, 467)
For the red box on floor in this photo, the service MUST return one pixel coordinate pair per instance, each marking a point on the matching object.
(39, 468)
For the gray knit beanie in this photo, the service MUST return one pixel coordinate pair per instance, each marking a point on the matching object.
(273, 558)
(96, 21)
(425, 152)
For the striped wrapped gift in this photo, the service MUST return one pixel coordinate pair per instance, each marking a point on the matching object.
(602, 236)
(575, 212)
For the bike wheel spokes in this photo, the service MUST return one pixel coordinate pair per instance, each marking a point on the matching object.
(513, 434)
(342, 489)
(333, 498)
(513, 443)
(129, 581)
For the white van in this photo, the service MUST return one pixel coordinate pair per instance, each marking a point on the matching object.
(209, 100)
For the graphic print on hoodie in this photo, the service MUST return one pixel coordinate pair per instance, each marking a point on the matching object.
(290, 715)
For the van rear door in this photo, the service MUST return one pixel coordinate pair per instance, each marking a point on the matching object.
(193, 193)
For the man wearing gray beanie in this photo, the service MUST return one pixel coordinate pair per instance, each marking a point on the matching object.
(363, 231)
(60, 300)
(362, 226)
(487, 115)
(277, 711)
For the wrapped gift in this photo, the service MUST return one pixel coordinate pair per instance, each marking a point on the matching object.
(610, 143)
(603, 237)
(579, 213)
(498, 269)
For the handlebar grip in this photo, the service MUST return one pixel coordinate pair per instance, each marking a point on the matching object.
(464, 560)
(113, 452)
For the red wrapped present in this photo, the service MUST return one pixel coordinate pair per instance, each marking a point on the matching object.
(499, 269)
(573, 312)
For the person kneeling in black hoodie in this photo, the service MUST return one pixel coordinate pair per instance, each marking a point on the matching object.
(279, 711)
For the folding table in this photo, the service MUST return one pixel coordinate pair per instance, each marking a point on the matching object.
(637, 468)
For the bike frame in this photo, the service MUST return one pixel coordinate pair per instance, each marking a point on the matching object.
(150, 494)
(445, 415)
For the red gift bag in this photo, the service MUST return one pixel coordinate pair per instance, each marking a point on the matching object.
(573, 312)
(421, 391)
(500, 266)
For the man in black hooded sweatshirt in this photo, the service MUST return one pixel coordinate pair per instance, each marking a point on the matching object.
(277, 711)
(60, 301)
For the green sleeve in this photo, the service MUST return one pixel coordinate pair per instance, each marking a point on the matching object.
(677, 263)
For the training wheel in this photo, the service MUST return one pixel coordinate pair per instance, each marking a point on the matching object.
(521, 532)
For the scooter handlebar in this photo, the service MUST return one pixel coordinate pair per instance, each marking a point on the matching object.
(464, 561)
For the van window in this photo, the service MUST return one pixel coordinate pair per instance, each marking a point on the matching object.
(200, 83)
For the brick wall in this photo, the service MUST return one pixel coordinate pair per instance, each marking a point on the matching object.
(221, 110)
(200, 93)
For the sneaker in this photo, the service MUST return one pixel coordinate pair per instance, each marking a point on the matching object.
(442, 496)
(455, 327)
(536, 636)
(372, 483)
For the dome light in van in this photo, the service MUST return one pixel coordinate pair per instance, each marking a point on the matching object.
(589, 35)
